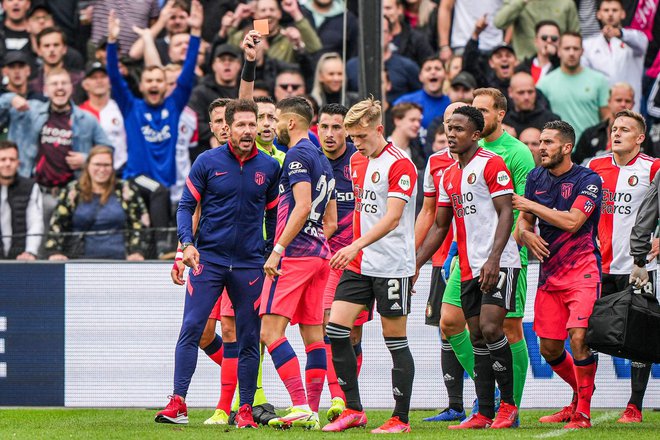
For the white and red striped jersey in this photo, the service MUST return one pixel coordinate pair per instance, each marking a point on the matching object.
(624, 188)
(437, 164)
(391, 174)
(112, 123)
(187, 138)
(469, 192)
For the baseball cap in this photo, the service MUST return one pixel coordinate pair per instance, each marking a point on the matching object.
(464, 79)
(15, 56)
(95, 67)
(226, 49)
(502, 46)
(34, 8)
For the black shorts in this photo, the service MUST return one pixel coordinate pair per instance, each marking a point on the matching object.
(504, 294)
(616, 283)
(434, 303)
(392, 295)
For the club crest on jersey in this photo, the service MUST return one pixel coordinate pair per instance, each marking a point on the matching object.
(472, 178)
(566, 190)
(347, 172)
(259, 178)
(375, 177)
(200, 268)
(588, 206)
(503, 178)
(632, 180)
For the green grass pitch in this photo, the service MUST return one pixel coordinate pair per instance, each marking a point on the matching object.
(54, 424)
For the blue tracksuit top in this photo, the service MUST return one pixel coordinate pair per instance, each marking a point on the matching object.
(151, 132)
(234, 196)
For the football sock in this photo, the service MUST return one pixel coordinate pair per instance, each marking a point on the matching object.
(502, 362)
(452, 373)
(333, 386)
(345, 362)
(228, 376)
(288, 368)
(484, 380)
(585, 373)
(403, 374)
(520, 365)
(215, 350)
(565, 369)
(357, 348)
(462, 347)
(639, 378)
(315, 369)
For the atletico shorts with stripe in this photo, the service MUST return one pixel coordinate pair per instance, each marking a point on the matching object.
(502, 295)
(556, 311)
(392, 295)
(222, 307)
(329, 296)
(297, 294)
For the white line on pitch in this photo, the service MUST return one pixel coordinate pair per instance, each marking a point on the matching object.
(598, 420)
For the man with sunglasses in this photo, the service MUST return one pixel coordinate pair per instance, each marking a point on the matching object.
(546, 42)
(288, 83)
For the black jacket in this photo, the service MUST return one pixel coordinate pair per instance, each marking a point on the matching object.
(594, 142)
(412, 44)
(526, 64)
(476, 63)
(520, 120)
(331, 32)
(18, 197)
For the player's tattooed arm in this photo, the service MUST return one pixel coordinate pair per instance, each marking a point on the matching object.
(491, 269)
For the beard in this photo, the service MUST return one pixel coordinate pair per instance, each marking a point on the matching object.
(488, 130)
(283, 137)
(553, 161)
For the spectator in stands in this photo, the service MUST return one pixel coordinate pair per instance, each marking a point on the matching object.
(596, 140)
(328, 81)
(546, 43)
(402, 72)
(576, 93)
(459, 16)
(615, 52)
(532, 138)
(524, 14)
(53, 137)
(430, 97)
(140, 14)
(21, 211)
(99, 103)
(221, 83)
(51, 47)
(527, 110)
(173, 20)
(14, 25)
(328, 18)
(423, 16)
(406, 41)
(439, 139)
(453, 67)
(16, 70)
(461, 88)
(98, 202)
(288, 83)
(589, 25)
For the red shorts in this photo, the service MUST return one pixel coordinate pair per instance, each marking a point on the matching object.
(329, 296)
(297, 294)
(556, 311)
(223, 307)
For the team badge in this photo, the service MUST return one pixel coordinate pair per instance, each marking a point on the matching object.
(198, 272)
(404, 182)
(566, 190)
(259, 178)
(347, 172)
(164, 114)
(503, 178)
(472, 178)
(375, 177)
(588, 206)
(632, 180)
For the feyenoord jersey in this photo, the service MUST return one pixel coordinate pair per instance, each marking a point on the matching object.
(391, 174)
(341, 168)
(470, 192)
(624, 188)
(437, 164)
(305, 162)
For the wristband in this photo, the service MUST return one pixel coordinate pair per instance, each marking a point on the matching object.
(249, 71)
(178, 256)
(279, 249)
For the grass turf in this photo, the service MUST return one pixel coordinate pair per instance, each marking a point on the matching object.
(138, 423)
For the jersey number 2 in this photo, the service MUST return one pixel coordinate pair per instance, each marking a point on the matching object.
(325, 190)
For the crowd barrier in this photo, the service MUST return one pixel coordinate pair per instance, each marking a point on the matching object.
(102, 334)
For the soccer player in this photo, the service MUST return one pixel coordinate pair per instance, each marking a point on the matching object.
(298, 268)
(379, 265)
(566, 199)
(235, 184)
(476, 193)
(627, 175)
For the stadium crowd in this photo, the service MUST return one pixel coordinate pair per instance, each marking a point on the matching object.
(113, 115)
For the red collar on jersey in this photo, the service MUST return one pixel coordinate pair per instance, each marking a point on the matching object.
(252, 153)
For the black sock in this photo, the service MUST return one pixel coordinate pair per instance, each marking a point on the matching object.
(639, 378)
(484, 380)
(403, 373)
(502, 361)
(343, 358)
(452, 373)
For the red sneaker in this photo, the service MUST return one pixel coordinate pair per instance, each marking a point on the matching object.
(578, 421)
(562, 416)
(244, 417)
(631, 414)
(348, 419)
(475, 421)
(175, 412)
(393, 425)
(506, 416)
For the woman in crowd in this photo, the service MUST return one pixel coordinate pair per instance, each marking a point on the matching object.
(328, 81)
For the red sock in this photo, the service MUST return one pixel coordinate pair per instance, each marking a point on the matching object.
(228, 377)
(215, 350)
(563, 366)
(335, 389)
(585, 371)
(315, 371)
(288, 368)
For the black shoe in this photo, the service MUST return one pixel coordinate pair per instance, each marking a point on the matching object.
(232, 418)
(263, 413)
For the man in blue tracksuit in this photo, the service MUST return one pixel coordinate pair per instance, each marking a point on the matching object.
(234, 184)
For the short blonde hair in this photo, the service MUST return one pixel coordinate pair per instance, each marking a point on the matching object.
(366, 113)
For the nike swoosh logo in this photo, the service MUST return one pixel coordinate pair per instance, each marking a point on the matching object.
(535, 192)
(221, 173)
(251, 283)
(581, 318)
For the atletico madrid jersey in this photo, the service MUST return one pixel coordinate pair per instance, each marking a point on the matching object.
(341, 167)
